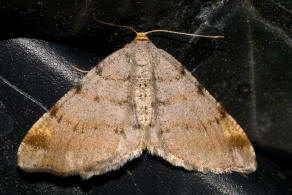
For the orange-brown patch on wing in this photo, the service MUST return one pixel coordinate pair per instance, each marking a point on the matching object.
(38, 138)
(238, 139)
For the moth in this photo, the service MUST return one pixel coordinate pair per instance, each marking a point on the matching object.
(138, 98)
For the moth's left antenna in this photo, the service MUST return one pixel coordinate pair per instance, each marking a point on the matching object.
(111, 24)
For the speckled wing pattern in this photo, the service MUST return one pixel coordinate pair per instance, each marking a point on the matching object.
(192, 129)
(137, 98)
(91, 129)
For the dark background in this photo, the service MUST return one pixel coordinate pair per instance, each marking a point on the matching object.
(249, 72)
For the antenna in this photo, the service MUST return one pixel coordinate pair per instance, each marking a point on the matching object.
(143, 34)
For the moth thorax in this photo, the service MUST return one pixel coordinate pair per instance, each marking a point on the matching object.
(143, 95)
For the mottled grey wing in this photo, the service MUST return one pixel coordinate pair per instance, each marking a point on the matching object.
(90, 130)
(191, 129)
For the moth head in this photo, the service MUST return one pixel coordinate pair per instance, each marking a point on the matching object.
(141, 36)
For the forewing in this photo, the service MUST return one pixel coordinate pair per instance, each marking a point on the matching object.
(91, 129)
(191, 129)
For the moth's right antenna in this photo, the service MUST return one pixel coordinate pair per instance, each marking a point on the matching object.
(182, 33)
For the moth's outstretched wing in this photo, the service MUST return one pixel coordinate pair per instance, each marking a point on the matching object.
(90, 130)
(191, 129)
